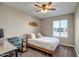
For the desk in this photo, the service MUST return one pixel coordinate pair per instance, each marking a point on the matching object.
(7, 48)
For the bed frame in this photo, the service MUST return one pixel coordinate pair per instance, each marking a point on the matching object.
(41, 49)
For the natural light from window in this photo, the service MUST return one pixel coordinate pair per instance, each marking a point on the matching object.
(60, 28)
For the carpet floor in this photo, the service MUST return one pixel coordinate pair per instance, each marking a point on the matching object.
(61, 51)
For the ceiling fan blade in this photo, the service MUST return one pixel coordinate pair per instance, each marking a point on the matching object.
(38, 2)
(51, 9)
(37, 5)
(38, 10)
(49, 3)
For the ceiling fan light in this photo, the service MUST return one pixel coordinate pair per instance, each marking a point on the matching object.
(46, 6)
(42, 11)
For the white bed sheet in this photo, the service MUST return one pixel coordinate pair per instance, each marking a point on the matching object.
(49, 43)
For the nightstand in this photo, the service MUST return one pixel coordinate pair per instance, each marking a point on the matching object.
(24, 45)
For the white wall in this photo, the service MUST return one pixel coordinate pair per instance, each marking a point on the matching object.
(46, 28)
(77, 30)
(15, 22)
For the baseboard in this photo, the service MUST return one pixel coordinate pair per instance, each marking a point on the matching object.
(67, 45)
(76, 52)
(71, 46)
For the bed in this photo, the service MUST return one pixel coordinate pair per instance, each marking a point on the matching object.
(45, 44)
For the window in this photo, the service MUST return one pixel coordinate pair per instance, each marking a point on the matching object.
(60, 28)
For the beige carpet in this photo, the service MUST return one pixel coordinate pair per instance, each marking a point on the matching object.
(61, 51)
(33, 53)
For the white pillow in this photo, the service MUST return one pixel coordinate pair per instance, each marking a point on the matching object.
(39, 35)
(33, 36)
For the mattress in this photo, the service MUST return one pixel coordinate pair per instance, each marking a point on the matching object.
(49, 43)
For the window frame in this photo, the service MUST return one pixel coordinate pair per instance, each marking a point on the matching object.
(59, 27)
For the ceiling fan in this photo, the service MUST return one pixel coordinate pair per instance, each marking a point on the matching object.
(44, 7)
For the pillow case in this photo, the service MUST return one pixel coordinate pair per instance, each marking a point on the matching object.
(38, 35)
(31, 35)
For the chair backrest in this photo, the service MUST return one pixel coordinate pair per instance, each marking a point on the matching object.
(17, 41)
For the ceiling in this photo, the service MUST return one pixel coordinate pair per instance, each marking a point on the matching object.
(28, 7)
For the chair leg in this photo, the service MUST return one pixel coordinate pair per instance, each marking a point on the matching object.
(20, 52)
